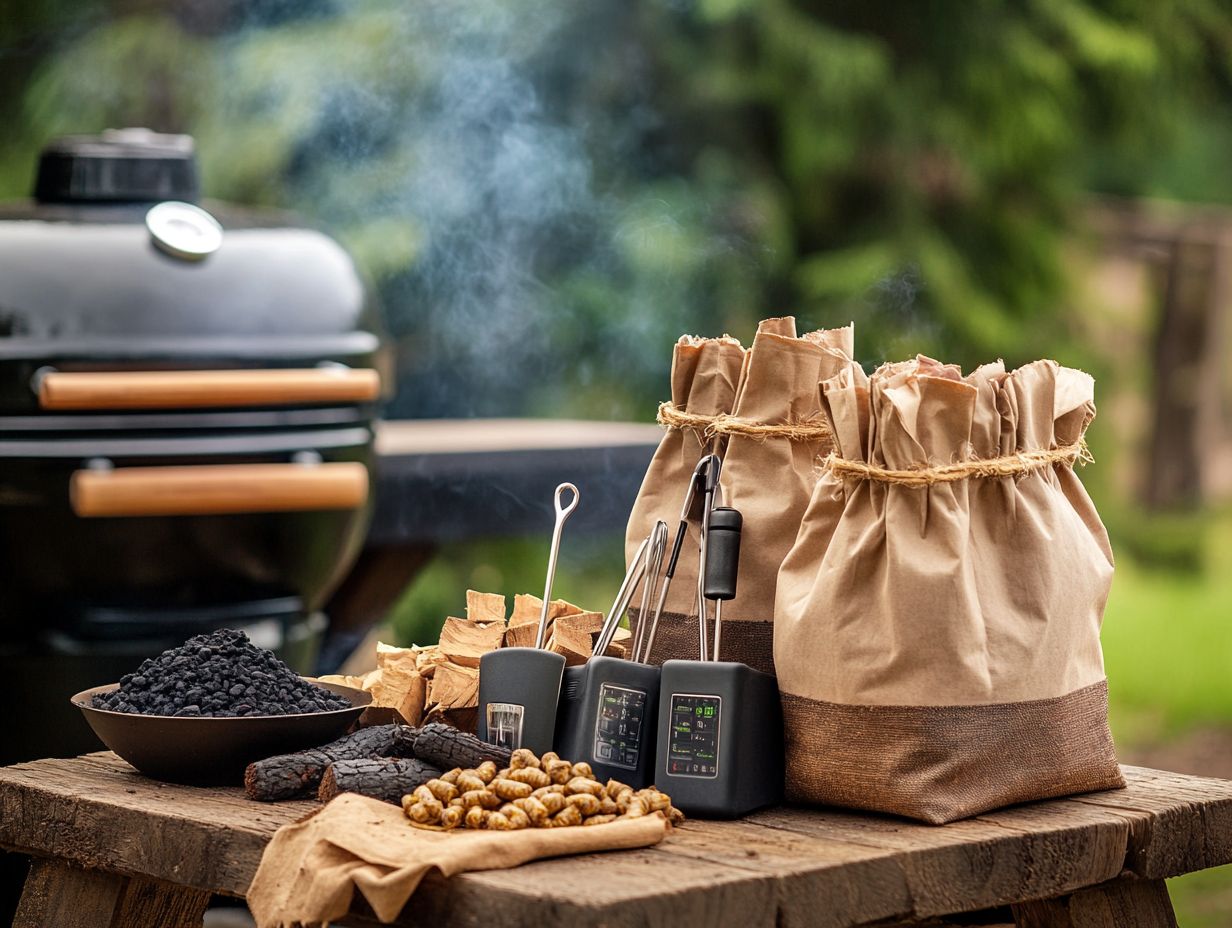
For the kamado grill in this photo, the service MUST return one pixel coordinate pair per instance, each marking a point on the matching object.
(186, 410)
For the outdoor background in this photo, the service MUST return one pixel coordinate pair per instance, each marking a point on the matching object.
(547, 193)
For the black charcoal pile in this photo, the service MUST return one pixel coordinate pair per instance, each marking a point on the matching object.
(219, 674)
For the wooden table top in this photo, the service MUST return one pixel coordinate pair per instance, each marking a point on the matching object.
(783, 866)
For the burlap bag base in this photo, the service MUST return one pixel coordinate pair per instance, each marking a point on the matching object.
(749, 643)
(943, 763)
(311, 869)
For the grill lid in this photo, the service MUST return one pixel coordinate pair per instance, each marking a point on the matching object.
(118, 166)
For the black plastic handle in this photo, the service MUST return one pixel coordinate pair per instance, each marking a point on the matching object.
(723, 553)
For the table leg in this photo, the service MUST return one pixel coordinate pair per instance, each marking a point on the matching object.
(1117, 904)
(60, 895)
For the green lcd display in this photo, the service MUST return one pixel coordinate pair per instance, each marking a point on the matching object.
(693, 742)
(618, 728)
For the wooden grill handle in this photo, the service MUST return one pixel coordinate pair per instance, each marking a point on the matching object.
(185, 389)
(214, 489)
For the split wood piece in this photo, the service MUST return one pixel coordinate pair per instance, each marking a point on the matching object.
(1118, 904)
(573, 636)
(466, 642)
(427, 659)
(455, 687)
(522, 636)
(527, 608)
(288, 776)
(387, 779)
(61, 895)
(447, 747)
(485, 607)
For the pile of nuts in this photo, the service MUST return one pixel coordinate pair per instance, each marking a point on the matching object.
(532, 792)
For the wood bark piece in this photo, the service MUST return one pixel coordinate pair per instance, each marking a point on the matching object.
(61, 895)
(446, 747)
(455, 687)
(288, 776)
(466, 642)
(387, 779)
(485, 607)
(427, 659)
(1118, 904)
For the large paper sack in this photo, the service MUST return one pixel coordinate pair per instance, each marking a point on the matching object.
(937, 620)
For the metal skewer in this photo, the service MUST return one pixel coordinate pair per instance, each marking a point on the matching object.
(562, 513)
(681, 530)
(658, 547)
(637, 568)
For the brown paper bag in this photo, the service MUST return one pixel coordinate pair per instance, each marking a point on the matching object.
(937, 620)
(769, 477)
(311, 869)
(770, 444)
(705, 375)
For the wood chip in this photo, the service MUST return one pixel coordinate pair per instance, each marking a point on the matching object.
(581, 621)
(466, 642)
(485, 607)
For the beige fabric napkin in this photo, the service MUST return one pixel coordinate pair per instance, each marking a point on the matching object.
(311, 869)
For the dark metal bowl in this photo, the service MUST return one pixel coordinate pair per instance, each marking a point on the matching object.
(213, 751)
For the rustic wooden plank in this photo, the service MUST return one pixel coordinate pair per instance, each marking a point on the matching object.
(783, 866)
(61, 895)
(1123, 903)
(99, 812)
(1178, 824)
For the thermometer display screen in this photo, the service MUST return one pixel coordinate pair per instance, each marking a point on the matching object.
(618, 727)
(693, 743)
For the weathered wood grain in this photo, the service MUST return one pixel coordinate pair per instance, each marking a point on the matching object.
(1122, 903)
(61, 895)
(781, 867)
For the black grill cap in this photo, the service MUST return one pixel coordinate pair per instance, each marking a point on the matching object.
(118, 166)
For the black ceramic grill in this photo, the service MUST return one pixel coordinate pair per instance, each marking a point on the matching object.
(187, 394)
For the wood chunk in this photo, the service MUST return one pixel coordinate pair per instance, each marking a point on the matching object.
(404, 691)
(485, 607)
(581, 621)
(465, 642)
(522, 636)
(575, 644)
(527, 608)
(427, 658)
(455, 687)
(388, 654)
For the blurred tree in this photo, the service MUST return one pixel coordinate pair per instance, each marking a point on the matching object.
(545, 190)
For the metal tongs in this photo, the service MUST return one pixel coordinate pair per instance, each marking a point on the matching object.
(708, 465)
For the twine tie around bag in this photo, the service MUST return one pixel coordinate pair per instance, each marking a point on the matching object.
(1011, 465)
(711, 427)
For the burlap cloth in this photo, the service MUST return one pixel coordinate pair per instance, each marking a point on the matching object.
(311, 869)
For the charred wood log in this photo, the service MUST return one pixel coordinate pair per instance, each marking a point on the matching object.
(387, 779)
(290, 776)
(446, 747)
